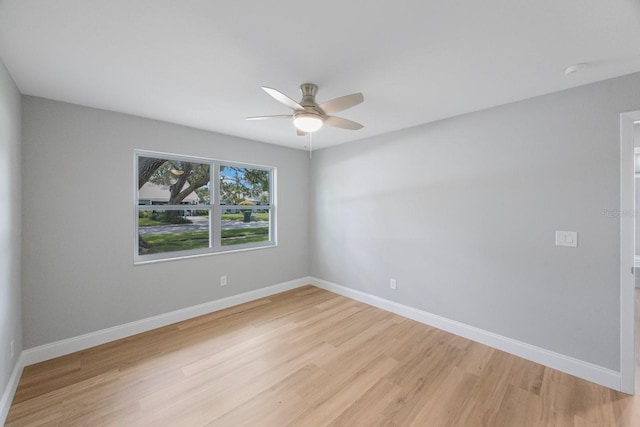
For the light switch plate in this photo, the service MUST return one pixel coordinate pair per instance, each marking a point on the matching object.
(567, 238)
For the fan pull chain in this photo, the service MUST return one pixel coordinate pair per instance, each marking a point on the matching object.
(310, 145)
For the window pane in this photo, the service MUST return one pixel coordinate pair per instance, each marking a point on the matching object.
(244, 185)
(172, 230)
(172, 182)
(245, 225)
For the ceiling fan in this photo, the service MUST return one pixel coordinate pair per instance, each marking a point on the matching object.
(309, 116)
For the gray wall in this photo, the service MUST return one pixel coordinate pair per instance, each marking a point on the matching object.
(10, 317)
(78, 274)
(636, 144)
(463, 213)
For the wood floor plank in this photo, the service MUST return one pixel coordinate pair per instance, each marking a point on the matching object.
(307, 357)
(329, 402)
(368, 409)
(276, 405)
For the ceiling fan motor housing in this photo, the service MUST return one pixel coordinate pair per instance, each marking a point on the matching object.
(309, 91)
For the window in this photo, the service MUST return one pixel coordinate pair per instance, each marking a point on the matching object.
(189, 206)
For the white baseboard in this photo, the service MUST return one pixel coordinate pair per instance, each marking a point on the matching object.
(92, 339)
(570, 365)
(10, 390)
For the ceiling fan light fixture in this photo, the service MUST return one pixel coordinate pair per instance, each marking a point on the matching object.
(307, 122)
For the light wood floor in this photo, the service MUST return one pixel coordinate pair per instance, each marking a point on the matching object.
(307, 357)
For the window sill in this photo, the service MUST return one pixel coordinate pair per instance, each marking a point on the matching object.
(181, 257)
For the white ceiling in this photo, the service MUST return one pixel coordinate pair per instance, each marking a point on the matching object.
(201, 63)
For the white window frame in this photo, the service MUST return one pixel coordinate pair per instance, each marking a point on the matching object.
(214, 208)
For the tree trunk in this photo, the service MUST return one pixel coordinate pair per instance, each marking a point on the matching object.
(146, 167)
(178, 191)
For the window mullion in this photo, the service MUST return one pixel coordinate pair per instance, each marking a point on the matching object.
(216, 214)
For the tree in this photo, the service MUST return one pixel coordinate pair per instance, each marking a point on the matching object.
(237, 184)
(193, 177)
(204, 195)
(232, 191)
(182, 178)
(258, 178)
(147, 166)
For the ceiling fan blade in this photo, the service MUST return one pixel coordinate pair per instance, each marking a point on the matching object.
(282, 98)
(342, 103)
(300, 133)
(339, 122)
(269, 117)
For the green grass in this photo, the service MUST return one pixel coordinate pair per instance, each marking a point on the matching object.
(245, 235)
(159, 243)
(244, 232)
(243, 240)
(259, 216)
(146, 222)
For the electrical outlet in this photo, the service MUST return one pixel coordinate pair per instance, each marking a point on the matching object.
(12, 349)
(567, 238)
(393, 284)
(223, 280)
